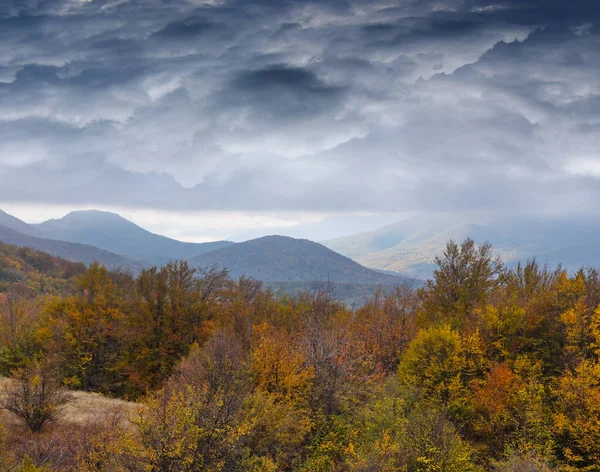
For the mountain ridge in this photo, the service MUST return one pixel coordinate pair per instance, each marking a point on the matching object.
(410, 246)
(271, 258)
(68, 250)
(16, 224)
(278, 258)
(113, 233)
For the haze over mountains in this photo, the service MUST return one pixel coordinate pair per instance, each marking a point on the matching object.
(285, 263)
(410, 246)
(16, 224)
(66, 250)
(114, 233)
(404, 250)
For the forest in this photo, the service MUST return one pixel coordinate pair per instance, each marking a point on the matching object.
(485, 368)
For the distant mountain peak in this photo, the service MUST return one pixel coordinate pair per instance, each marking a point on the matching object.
(277, 258)
(112, 232)
(275, 237)
(67, 250)
(93, 213)
(280, 239)
(16, 224)
(94, 217)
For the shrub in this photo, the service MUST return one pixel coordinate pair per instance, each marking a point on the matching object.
(34, 396)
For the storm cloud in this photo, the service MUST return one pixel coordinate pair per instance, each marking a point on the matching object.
(301, 106)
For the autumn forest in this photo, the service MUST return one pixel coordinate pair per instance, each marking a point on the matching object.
(485, 368)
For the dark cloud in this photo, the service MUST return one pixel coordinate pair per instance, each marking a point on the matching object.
(187, 29)
(301, 106)
(281, 94)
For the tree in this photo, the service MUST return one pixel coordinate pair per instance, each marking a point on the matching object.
(162, 333)
(440, 363)
(279, 363)
(271, 430)
(322, 347)
(34, 396)
(395, 434)
(509, 411)
(577, 420)
(188, 425)
(18, 318)
(383, 327)
(465, 276)
(87, 331)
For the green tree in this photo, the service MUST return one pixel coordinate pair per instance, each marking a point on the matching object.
(463, 280)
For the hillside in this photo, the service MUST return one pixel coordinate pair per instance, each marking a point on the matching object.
(15, 223)
(114, 233)
(35, 272)
(284, 259)
(67, 250)
(410, 246)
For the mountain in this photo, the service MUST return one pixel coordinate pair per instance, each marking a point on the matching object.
(114, 233)
(35, 270)
(410, 246)
(284, 259)
(67, 250)
(15, 223)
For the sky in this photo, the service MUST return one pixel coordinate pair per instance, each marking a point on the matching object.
(211, 119)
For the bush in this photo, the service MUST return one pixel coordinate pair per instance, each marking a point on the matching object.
(34, 396)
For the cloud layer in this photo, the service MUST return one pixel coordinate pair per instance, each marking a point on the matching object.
(301, 106)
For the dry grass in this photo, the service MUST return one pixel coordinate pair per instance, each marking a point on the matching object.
(84, 425)
(85, 408)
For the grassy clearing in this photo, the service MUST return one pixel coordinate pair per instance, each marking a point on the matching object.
(85, 408)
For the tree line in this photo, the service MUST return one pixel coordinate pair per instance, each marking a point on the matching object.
(487, 367)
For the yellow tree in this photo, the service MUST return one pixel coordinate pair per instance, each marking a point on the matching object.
(577, 419)
(86, 332)
(279, 363)
(439, 363)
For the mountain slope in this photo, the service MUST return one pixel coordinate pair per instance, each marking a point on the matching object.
(114, 233)
(38, 271)
(410, 246)
(284, 259)
(15, 223)
(407, 247)
(67, 250)
(410, 232)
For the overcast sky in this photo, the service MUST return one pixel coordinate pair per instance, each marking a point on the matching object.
(205, 119)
